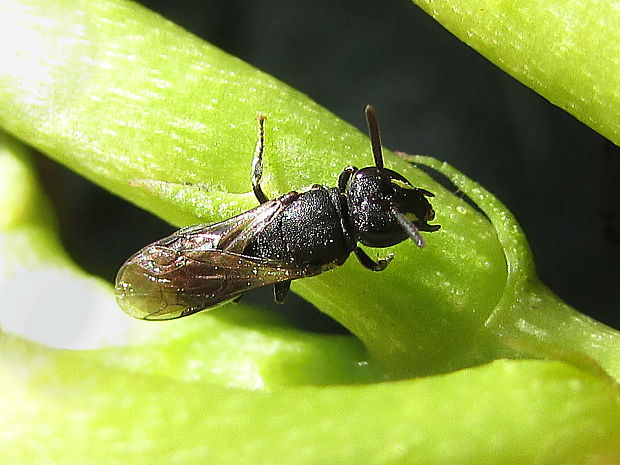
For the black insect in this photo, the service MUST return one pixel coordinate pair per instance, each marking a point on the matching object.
(297, 235)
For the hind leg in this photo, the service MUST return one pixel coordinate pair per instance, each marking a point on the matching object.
(257, 162)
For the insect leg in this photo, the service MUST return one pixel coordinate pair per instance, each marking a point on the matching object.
(344, 177)
(380, 265)
(257, 162)
(280, 290)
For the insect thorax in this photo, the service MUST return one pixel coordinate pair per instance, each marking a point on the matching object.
(309, 231)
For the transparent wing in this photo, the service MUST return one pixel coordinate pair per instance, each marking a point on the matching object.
(232, 235)
(159, 283)
(202, 266)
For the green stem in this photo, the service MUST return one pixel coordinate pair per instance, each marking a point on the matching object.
(566, 50)
(521, 412)
(529, 318)
(538, 323)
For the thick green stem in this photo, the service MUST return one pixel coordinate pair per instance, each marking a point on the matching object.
(538, 323)
(61, 408)
(529, 318)
(566, 50)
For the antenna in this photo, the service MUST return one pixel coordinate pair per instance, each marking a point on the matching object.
(375, 136)
(412, 231)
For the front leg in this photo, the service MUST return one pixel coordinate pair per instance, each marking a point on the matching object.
(257, 162)
(380, 265)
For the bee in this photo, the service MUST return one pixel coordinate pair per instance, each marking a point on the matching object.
(297, 235)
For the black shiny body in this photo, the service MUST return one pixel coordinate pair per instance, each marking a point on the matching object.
(297, 235)
(312, 230)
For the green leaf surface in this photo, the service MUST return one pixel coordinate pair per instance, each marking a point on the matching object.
(566, 50)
